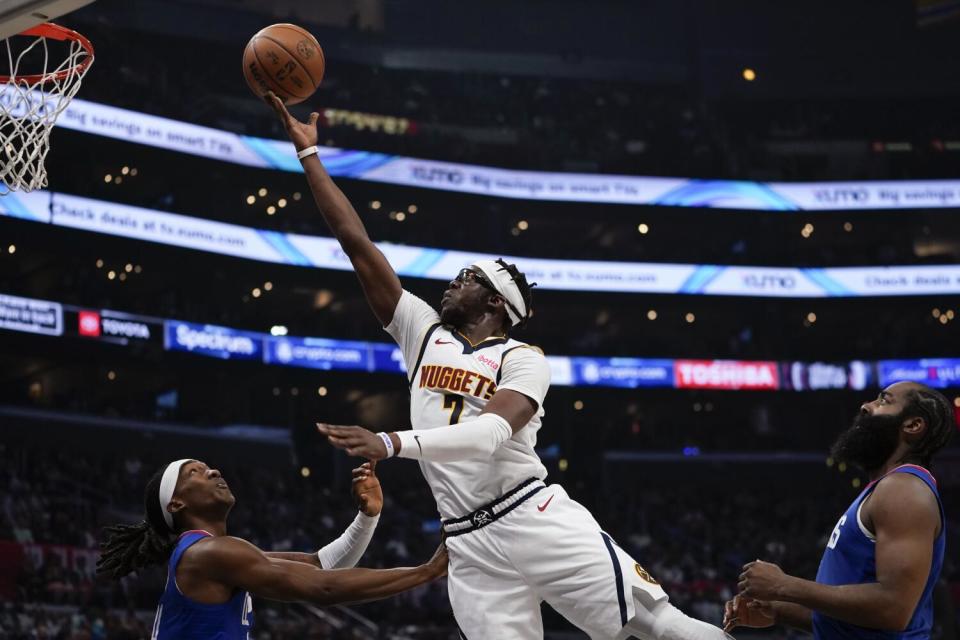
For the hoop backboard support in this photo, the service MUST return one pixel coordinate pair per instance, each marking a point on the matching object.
(19, 15)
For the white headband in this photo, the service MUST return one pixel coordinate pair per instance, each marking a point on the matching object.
(503, 282)
(167, 484)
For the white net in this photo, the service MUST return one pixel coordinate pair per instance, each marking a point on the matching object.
(32, 95)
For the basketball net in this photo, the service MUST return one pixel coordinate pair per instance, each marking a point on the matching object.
(31, 99)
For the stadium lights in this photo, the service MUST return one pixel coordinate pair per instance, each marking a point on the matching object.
(296, 196)
(282, 202)
(267, 286)
(578, 405)
(690, 318)
(401, 216)
(856, 483)
(111, 274)
(936, 313)
(122, 277)
(563, 464)
(278, 330)
(12, 249)
(137, 268)
(133, 171)
(99, 263)
(262, 191)
(807, 230)
(412, 208)
(125, 171)
(256, 292)
(322, 392)
(305, 472)
(652, 314)
(848, 226)
(108, 178)
(111, 375)
(643, 228)
(128, 267)
(295, 391)
(523, 225)
(749, 74)
(811, 317)
(251, 199)
(271, 210)
(373, 205)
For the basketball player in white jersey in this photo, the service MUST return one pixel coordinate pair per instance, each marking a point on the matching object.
(476, 405)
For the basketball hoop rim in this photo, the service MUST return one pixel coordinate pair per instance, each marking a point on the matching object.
(62, 34)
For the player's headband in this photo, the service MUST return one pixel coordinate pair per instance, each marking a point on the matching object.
(168, 482)
(503, 282)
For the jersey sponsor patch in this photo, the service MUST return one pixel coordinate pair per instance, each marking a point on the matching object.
(644, 574)
(453, 379)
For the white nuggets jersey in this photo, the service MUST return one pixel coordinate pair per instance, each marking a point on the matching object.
(451, 381)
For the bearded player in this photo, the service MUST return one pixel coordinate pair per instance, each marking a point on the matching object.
(882, 561)
(476, 405)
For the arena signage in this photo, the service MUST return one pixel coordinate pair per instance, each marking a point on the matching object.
(318, 353)
(816, 376)
(934, 372)
(726, 374)
(31, 315)
(209, 340)
(184, 137)
(440, 264)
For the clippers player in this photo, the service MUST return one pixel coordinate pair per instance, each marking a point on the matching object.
(476, 406)
(882, 561)
(211, 576)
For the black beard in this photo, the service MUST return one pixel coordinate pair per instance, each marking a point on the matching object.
(870, 442)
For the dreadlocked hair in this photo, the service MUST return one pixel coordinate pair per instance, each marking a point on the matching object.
(130, 547)
(526, 289)
(937, 412)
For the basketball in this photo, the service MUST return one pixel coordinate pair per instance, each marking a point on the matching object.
(285, 59)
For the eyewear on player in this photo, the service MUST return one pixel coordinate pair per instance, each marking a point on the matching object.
(466, 276)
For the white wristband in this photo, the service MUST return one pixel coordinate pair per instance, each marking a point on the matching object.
(387, 441)
(309, 151)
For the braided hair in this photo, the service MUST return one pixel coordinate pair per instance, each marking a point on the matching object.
(936, 411)
(130, 547)
(526, 291)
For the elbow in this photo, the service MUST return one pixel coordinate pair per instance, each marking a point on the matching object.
(897, 618)
(324, 595)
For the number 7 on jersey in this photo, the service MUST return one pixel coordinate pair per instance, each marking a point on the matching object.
(455, 402)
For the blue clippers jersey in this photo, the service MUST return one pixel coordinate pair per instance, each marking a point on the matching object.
(180, 618)
(850, 558)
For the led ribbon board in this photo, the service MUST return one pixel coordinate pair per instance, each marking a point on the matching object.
(177, 230)
(183, 137)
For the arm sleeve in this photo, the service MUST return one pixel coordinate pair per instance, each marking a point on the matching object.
(411, 319)
(345, 551)
(477, 438)
(525, 370)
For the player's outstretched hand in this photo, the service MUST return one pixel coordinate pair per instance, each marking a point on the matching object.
(744, 612)
(366, 489)
(437, 565)
(302, 134)
(762, 581)
(356, 441)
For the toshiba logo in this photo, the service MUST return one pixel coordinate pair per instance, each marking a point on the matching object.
(726, 374)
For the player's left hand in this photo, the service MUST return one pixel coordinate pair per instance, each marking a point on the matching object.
(366, 489)
(762, 581)
(356, 441)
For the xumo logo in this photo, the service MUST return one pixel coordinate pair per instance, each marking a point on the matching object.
(842, 196)
(489, 362)
(436, 174)
(767, 282)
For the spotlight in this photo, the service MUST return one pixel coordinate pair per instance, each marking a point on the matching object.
(749, 74)
(322, 391)
(305, 472)
(256, 292)
(643, 228)
(262, 191)
(652, 314)
(690, 318)
(578, 405)
(251, 199)
(412, 208)
(523, 225)
(271, 210)
(375, 205)
(12, 249)
(278, 330)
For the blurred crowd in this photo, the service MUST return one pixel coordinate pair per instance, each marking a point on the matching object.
(534, 122)
(692, 537)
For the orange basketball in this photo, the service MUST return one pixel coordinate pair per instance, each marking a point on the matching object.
(285, 59)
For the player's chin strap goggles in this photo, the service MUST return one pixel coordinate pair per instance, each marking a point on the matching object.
(493, 511)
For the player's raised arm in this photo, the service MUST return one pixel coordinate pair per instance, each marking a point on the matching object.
(345, 552)
(378, 279)
(237, 563)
